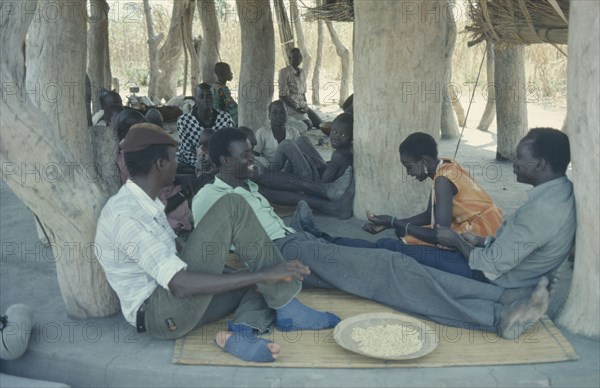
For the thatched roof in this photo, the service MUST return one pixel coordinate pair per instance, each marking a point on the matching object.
(332, 11)
(504, 22)
(509, 22)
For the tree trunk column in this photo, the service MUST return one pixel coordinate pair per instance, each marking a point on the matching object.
(581, 311)
(449, 126)
(511, 99)
(399, 78)
(211, 39)
(41, 130)
(98, 53)
(257, 69)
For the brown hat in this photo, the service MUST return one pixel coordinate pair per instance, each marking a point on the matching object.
(142, 135)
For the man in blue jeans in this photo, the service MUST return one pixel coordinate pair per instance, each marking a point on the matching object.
(391, 278)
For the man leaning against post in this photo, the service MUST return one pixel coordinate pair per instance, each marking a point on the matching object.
(167, 291)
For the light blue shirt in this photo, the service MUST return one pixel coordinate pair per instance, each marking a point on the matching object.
(534, 240)
(270, 221)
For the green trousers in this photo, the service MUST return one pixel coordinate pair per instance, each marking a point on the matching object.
(229, 221)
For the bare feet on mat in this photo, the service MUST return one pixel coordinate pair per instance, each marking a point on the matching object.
(517, 316)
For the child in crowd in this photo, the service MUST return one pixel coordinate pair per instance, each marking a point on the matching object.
(222, 95)
(204, 166)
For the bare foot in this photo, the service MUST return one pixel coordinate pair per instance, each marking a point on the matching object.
(514, 294)
(518, 315)
(336, 189)
(222, 337)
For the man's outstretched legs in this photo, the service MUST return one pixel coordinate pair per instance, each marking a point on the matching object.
(399, 281)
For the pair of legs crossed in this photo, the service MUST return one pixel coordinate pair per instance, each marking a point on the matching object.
(230, 220)
(298, 157)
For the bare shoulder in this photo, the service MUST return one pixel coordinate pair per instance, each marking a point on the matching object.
(342, 157)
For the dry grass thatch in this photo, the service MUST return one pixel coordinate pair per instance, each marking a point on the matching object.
(509, 22)
(332, 10)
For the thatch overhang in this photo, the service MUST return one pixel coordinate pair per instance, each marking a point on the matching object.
(504, 22)
(331, 11)
(518, 22)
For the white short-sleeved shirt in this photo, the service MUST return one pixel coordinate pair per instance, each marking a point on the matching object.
(136, 247)
(266, 144)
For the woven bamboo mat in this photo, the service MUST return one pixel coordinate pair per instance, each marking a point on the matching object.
(318, 349)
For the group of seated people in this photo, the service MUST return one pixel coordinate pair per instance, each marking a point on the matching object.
(457, 263)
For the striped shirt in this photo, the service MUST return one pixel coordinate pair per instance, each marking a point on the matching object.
(136, 247)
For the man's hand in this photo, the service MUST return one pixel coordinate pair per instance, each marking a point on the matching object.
(473, 239)
(447, 237)
(301, 109)
(285, 272)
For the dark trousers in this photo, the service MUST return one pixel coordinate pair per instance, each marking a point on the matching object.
(442, 259)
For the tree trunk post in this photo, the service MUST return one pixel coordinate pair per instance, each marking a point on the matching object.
(344, 55)
(257, 69)
(52, 176)
(211, 39)
(511, 99)
(286, 35)
(419, 32)
(448, 126)
(297, 26)
(153, 42)
(170, 52)
(490, 107)
(98, 52)
(188, 44)
(456, 105)
(581, 311)
(316, 87)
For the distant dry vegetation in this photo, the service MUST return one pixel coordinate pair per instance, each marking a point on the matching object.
(545, 66)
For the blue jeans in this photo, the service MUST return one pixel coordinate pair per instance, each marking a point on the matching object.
(442, 259)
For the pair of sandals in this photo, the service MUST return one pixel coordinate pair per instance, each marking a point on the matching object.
(248, 347)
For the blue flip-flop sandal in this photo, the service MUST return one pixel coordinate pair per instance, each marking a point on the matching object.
(248, 348)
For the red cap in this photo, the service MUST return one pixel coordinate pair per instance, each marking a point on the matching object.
(141, 136)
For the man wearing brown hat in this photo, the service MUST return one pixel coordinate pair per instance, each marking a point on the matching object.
(167, 291)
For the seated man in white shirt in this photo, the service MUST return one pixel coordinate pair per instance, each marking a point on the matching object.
(292, 90)
(280, 146)
(167, 291)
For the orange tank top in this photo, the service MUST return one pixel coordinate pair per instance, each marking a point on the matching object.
(473, 210)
